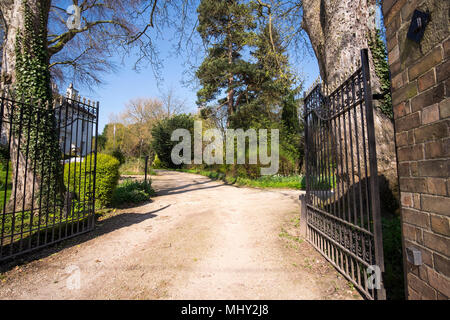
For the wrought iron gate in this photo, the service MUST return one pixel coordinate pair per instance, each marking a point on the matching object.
(47, 172)
(342, 198)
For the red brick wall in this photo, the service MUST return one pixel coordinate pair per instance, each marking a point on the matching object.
(420, 92)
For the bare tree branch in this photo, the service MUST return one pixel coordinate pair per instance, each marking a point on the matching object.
(110, 27)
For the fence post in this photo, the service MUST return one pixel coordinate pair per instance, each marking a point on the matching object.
(303, 215)
(146, 167)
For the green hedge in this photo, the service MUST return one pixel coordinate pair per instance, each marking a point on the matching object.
(82, 174)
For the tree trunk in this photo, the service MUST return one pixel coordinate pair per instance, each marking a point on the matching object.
(28, 180)
(338, 30)
(230, 96)
(13, 20)
(25, 178)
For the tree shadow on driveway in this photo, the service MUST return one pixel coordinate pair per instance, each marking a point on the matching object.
(103, 227)
(183, 189)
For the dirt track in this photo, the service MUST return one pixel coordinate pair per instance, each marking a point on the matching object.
(198, 239)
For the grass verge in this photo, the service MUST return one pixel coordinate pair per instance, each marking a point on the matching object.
(277, 181)
(135, 167)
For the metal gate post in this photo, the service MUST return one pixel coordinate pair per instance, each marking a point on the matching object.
(303, 198)
(146, 168)
(374, 195)
(303, 215)
(95, 163)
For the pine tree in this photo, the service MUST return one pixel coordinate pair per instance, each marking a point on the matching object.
(227, 28)
(245, 70)
(289, 115)
(274, 76)
(269, 81)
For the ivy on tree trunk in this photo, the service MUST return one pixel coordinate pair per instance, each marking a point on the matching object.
(35, 151)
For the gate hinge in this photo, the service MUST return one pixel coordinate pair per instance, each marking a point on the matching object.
(377, 96)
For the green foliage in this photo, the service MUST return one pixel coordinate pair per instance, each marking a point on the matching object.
(291, 138)
(33, 84)
(101, 142)
(276, 181)
(259, 82)
(135, 166)
(240, 177)
(5, 181)
(393, 257)
(245, 70)
(107, 178)
(3, 178)
(157, 163)
(162, 133)
(226, 26)
(32, 72)
(4, 155)
(289, 115)
(319, 183)
(253, 114)
(118, 154)
(79, 178)
(113, 137)
(274, 79)
(379, 53)
(132, 192)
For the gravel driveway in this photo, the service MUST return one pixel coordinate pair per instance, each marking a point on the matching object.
(198, 239)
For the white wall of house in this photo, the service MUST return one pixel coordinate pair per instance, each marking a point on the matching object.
(76, 129)
(76, 135)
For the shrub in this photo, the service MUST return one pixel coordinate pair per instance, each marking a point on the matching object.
(131, 191)
(118, 154)
(82, 174)
(157, 163)
(107, 178)
(162, 134)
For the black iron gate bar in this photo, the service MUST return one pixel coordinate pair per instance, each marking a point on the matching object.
(342, 199)
(39, 221)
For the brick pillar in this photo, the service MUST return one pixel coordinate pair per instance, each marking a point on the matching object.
(420, 90)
